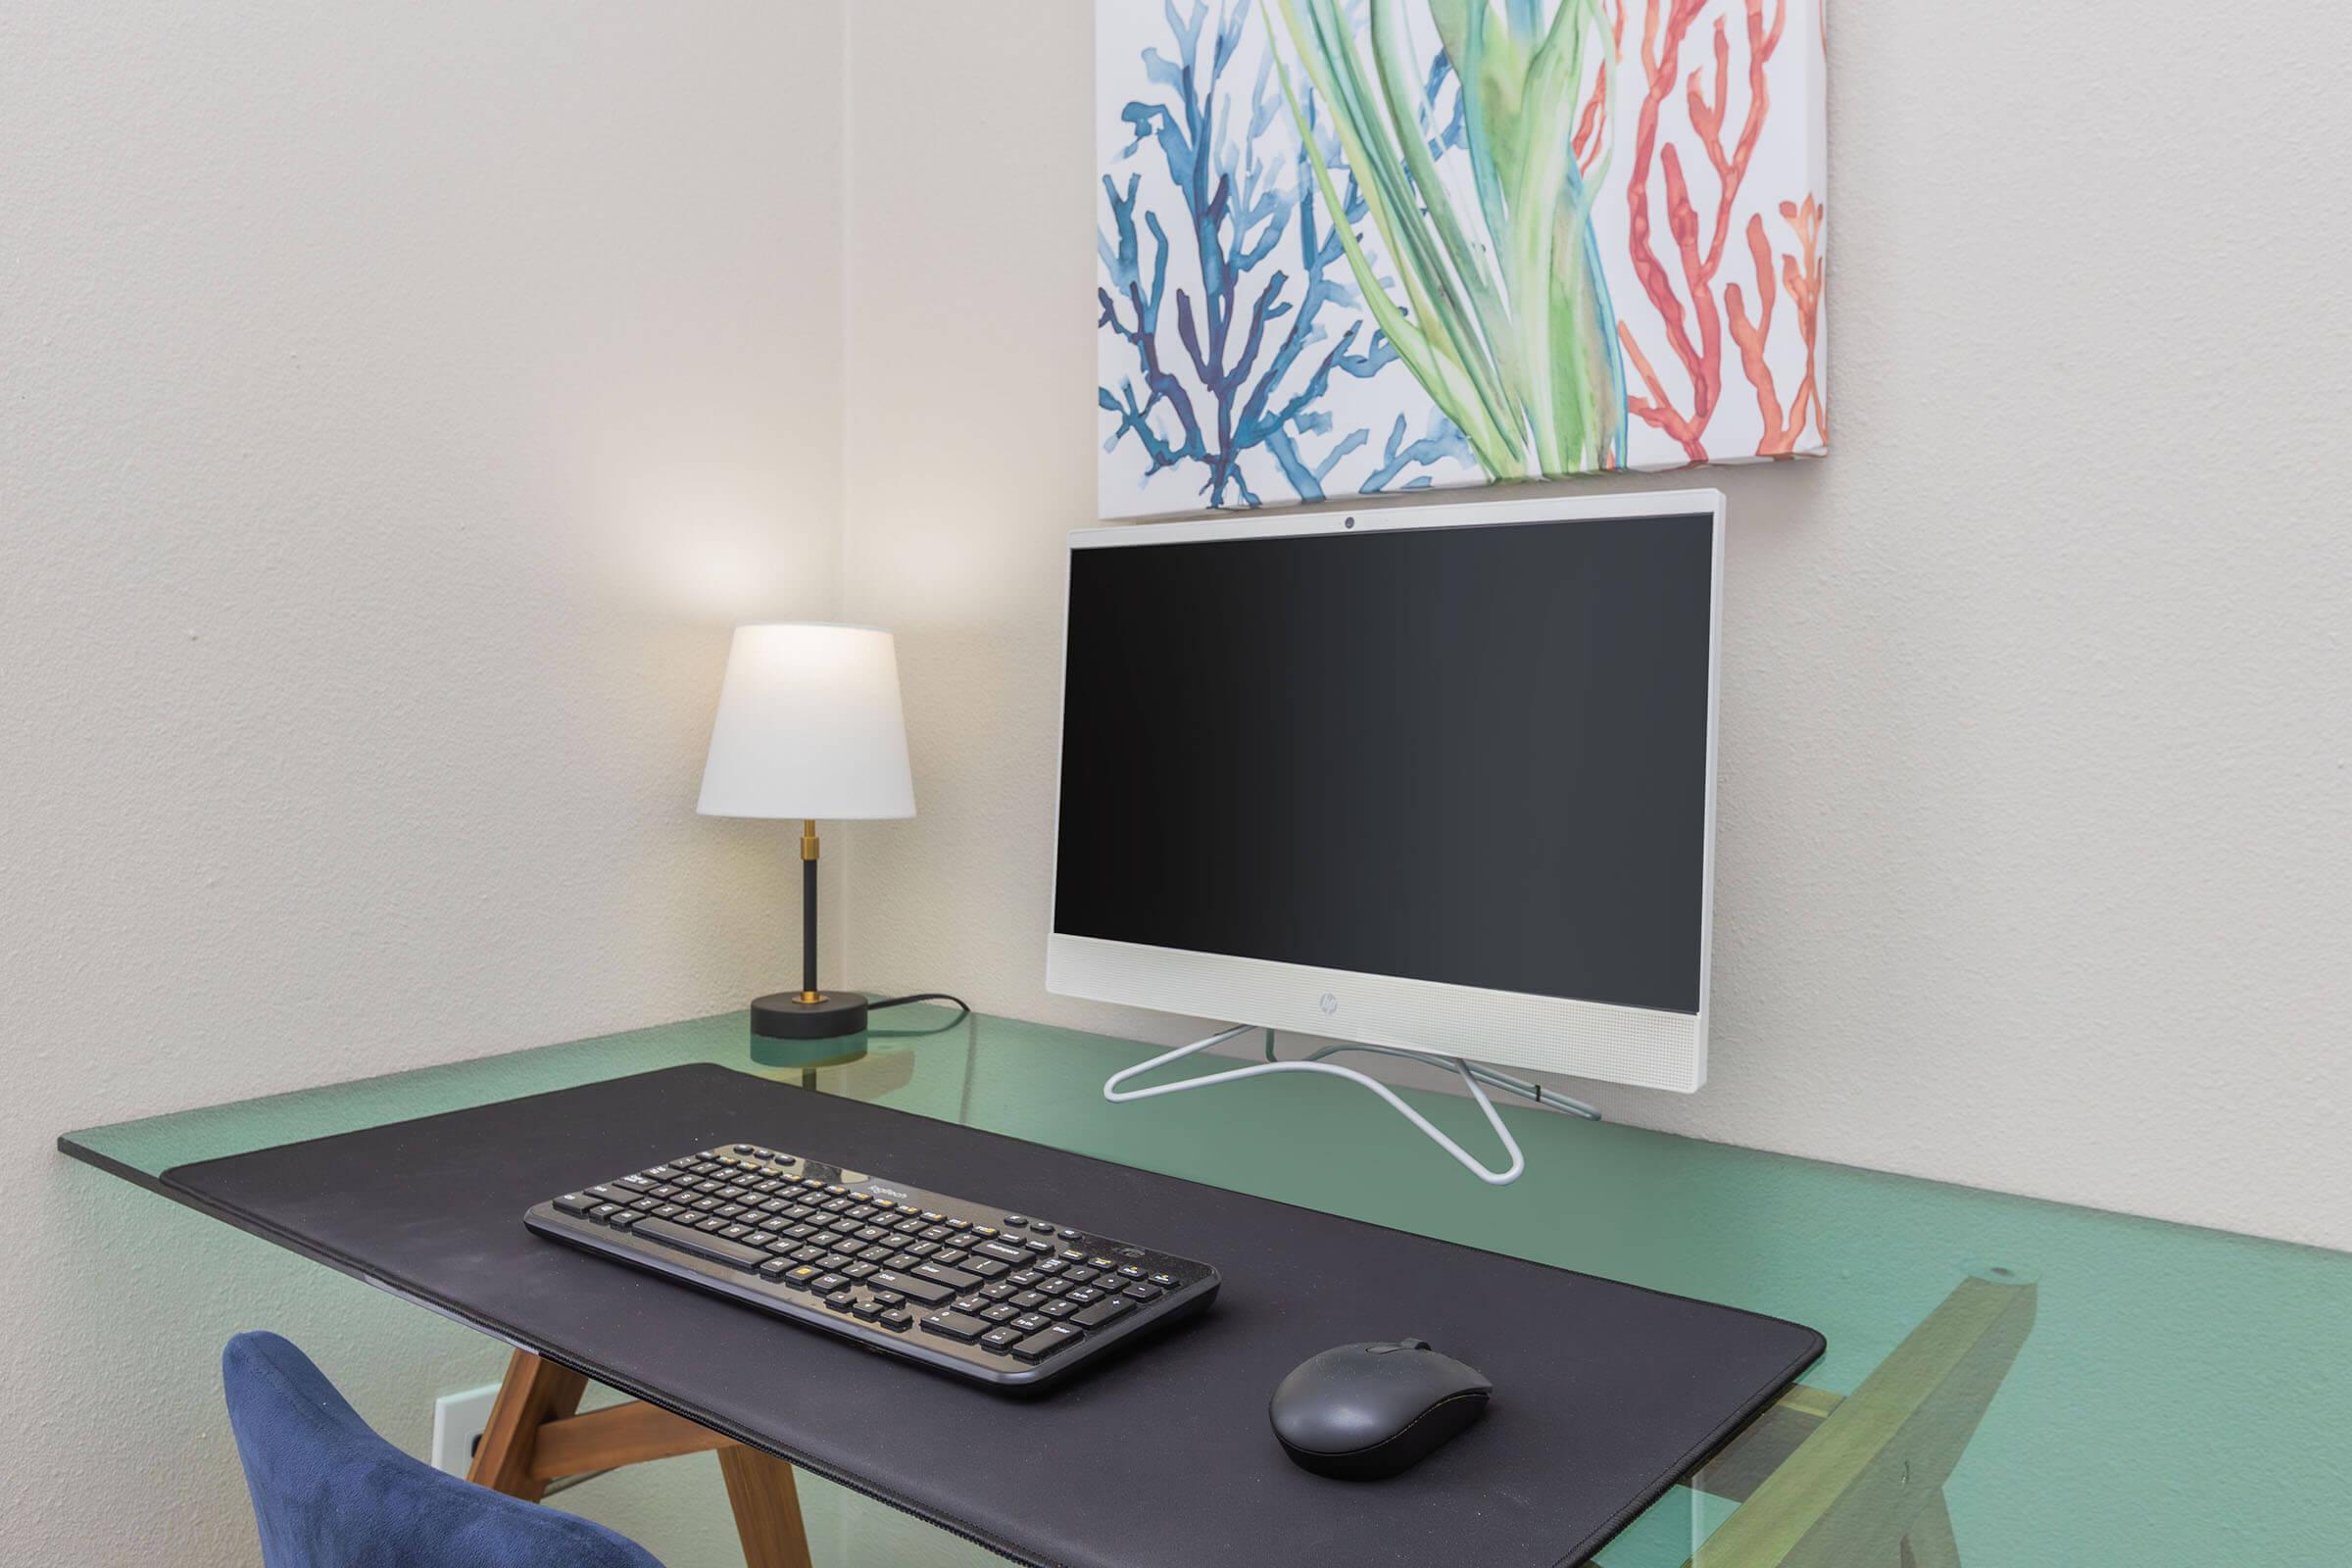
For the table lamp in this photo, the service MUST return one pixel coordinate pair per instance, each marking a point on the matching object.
(809, 726)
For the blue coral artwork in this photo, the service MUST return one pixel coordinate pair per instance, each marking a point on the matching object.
(1358, 246)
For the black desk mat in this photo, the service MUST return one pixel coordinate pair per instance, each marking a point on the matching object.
(1163, 1458)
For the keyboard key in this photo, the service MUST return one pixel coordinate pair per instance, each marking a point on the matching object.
(1053, 1338)
(895, 1318)
(1017, 1221)
(775, 1268)
(1029, 1322)
(1166, 1282)
(842, 1301)
(800, 1278)
(1000, 1313)
(928, 1292)
(1131, 1272)
(953, 1278)
(955, 1326)
(1058, 1309)
(1041, 1227)
(575, 1203)
(1143, 1292)
(867, 1309)
(1108, 1311)
(1000, 1340)
(987, 1268)
(1028, 1300)
(1003, 1249)
(603, 1211)
(732, 1253)
(827, 1284)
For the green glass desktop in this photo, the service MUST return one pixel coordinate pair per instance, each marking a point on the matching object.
(2008, 1380)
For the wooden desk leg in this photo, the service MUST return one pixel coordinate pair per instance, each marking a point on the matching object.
(535, 1435)
(534, 1393)
(1931, 1543)
(768, 1508)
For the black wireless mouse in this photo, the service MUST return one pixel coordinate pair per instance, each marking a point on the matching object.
(1362, 1411)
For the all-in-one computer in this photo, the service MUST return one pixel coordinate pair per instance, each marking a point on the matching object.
(1420, 780)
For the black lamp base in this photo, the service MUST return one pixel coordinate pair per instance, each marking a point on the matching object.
(783, 1015)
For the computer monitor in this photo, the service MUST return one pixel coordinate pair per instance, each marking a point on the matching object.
(1438, 778)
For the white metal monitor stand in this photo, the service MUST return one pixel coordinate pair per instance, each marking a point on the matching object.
(1474, 1079)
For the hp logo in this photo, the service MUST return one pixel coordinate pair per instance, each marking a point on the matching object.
(1330, 1004)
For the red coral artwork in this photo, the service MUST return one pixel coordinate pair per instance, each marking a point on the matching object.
(1802, 274)
(1681, 389)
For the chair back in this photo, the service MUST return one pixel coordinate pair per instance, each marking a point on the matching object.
(329, 1492)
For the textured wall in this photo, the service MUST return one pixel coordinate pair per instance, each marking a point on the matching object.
(400, 404)
(2035, 821)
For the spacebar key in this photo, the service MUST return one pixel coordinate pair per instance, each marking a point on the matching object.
(923, 1291)
(717, 1248)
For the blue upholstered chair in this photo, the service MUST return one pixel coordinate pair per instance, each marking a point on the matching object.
(329, 1492)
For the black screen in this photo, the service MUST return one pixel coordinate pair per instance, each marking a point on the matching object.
(1468, 754)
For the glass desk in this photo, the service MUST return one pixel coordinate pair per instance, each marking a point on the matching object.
(2007, 1382)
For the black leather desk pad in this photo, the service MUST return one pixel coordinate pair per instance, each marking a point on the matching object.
(1162, 1458)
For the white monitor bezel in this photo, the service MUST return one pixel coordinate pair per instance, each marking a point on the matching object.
(1598, 1040)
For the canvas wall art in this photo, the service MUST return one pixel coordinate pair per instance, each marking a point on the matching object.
(1355, 247)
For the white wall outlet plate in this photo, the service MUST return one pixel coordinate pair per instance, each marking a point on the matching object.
(457, 1423)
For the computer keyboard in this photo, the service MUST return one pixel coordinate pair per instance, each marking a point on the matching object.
(982, 1292)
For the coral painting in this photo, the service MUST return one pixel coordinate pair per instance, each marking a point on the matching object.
(1351, 247)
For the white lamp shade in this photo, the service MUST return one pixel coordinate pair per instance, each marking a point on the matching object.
(809, 726)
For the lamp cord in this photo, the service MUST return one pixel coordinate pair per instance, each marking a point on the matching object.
(963, 1008)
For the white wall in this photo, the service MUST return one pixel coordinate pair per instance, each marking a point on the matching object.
(400, 403)
(2035, 823)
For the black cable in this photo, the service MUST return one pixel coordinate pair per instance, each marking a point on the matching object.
(963, 1010)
